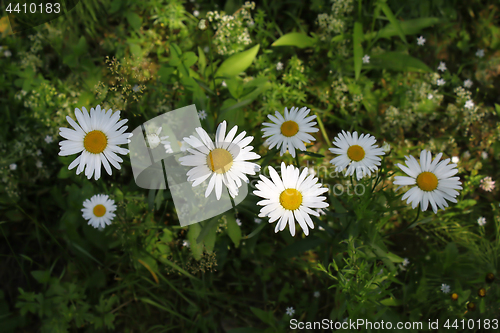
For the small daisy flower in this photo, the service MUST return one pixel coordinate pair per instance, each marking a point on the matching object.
(433, 181)
(96, 137)
(484, 155)
(386, 147)
(455, 159)
(469, 104)
(13, 166)
(202, 114)
(48, 139)
(38, 152)
(467, 83)
(480, 53)
(430, 96)
(442, 66)
(481, 221)
(487, 184)
(291, 131)
(39, 164)
(316, 294)
(279, 66)
(7, 53)
(196, 13)
(257, 220)
(440, 82)
(466, 155)
(366, 59)
(226, 161)
(406, 262)
(238, 222)
(99, 210)
(224, 84)
(290, 197)
(290, 311)
(185, 243)
(445, 288)
(360, 154)
(154, 139)
(421, 40)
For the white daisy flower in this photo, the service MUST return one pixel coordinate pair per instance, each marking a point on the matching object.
(225, 162)
(442, 66)
(445, 288)
(154, 139)
(469, 104)
(257, 220)
(290, 197)
(39, 164)
(386, 147)
(97, 137)
(430, 96)
(360, 154)
(406, 262)
(440, 82)
(99, 210)
(290, 311)
(202, 114)
(291, 131)
(433, 181)
(481, 221)
(455, 159)
(316, 294)
(48, 139)
(487, 184)
(279, 66)
(467, 83)
(421, 40)
(13, 166)
(366, 59)
(480, 53)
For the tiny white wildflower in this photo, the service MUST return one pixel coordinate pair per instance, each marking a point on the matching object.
(455, 159)
(487, 184)
(48, 139)
(480, 53)
(13, 166)
(484, 155)
(430, 96)
(202, 114)
(467, 83)
(238, 222)
(481, 221)
(39, 164)
(257, 220)
(290, 311)
(386, 147)
(38, 152)
(196, 13)
(224, 84)
(7, 53)
(469, 104)
(316, 294)
(366, 59)
(442, 66)
(440, 82)
(406, 262)
(445, 288)
(185, 243)
(421, 40)
(279, 66)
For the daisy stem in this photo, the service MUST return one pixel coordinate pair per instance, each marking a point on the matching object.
(297, 160)
(322, 127)
(213, 76)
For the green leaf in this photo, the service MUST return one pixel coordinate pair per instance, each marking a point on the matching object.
(409, 27)
(196, 248)
(482, 306)
(497, 109)
(358, 48)
(210, 238)
(164, 73)
(398, 62)
(238, 62)
(391, 301)
(202, 60)
(41, 276)
(233, 230)
(395, 22)
(266, 316)
(295, 39)
(308, 153)
(134, 20)
(189, 59)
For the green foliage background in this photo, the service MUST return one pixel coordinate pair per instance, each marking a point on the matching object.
(145, 58)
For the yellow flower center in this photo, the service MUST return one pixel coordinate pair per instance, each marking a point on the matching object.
(289, 128)
(99, 210)
(220, 160)
(95, 142)
(290, 199)
(427, 181)
(356, 153)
